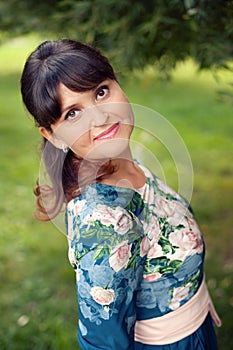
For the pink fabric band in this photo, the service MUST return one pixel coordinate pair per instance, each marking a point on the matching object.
(177, 324)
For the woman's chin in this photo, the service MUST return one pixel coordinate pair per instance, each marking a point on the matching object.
(107, 149)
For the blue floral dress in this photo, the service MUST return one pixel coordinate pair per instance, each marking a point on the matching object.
(138, 254)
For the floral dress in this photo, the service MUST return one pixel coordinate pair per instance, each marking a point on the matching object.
(138, 254)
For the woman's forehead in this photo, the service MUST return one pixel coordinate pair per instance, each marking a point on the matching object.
(69, 98)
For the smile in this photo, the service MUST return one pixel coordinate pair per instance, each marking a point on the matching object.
(109, 133)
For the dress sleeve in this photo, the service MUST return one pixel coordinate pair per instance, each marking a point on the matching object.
(104, 248)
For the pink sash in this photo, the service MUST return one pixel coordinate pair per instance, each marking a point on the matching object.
(177, 324)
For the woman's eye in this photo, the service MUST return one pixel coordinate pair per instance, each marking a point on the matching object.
(102, 92)
(73, 114)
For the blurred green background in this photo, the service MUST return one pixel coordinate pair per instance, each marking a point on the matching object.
(37, 286)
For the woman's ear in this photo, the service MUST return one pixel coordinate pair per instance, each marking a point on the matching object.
(51, 137)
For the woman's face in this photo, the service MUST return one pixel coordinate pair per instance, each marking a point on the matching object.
(95, 124)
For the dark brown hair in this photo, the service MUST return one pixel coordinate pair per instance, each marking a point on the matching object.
(80, 68)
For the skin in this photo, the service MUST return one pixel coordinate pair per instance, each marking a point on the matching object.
(97, 125)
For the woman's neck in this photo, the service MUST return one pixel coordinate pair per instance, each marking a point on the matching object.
(127, 174)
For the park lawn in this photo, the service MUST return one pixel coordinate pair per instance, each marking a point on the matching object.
(37, 292)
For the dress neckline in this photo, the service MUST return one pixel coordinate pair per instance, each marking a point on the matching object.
(146, 173)
(138, 190)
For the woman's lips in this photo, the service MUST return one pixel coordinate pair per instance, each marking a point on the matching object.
(109, 133)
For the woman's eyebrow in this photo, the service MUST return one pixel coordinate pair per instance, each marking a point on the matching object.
(66, 109)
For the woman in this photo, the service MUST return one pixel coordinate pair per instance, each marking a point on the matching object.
(133, 242)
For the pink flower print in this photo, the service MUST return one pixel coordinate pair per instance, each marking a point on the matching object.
(118, 217)
(172, 210)
(155, 250)
(193, 226)
(123, 221)
(187, 240)
(164, 208)
(102, 296)
(78, 206)
(120, 255)
(152, 277)
(144, 246)
(104, 214)
(179, 294)
(152, 228)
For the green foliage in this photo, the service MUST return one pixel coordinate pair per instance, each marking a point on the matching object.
(132, 33)
(37, 292)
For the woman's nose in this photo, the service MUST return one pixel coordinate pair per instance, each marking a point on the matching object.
(97, 116)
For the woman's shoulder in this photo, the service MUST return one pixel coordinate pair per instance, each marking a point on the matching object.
(159, 185)
(92, 215)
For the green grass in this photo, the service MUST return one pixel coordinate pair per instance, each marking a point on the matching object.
(37, 291)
